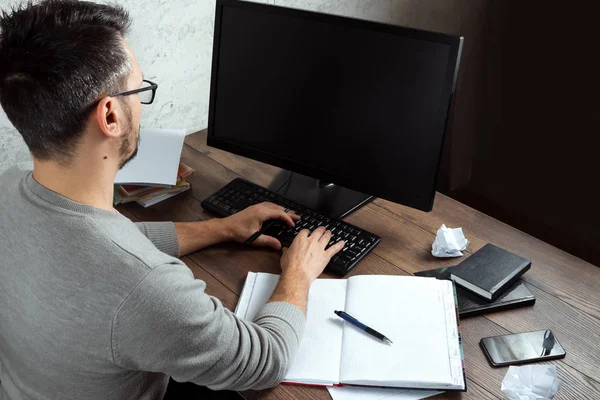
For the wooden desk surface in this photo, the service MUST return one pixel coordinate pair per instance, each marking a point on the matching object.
(567, 289)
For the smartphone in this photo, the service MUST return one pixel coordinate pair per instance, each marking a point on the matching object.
(520, 348)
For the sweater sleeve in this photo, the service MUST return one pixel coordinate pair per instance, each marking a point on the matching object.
(162, 234)
(169, 324)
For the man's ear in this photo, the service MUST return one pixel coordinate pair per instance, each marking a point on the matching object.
(109, 117)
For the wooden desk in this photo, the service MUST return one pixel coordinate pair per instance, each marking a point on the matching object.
(567, 289)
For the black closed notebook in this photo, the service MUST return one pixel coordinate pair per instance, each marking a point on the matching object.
(470, 305)
(489, 271)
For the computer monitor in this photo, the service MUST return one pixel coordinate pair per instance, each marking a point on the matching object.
(353, 108)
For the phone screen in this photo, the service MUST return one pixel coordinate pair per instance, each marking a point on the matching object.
(519, 347)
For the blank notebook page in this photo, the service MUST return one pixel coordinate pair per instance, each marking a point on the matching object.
(318, 358)
(410, 312)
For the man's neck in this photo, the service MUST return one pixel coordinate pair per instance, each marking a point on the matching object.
(85, 184)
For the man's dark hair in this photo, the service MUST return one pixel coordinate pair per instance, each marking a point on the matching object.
(57, 58)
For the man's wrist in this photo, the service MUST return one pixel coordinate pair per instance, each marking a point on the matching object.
(292, 288)
(296, 276)
(227, 229)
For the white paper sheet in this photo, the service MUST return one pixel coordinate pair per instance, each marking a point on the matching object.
(449, 242)
(157, 160)
(359, 393)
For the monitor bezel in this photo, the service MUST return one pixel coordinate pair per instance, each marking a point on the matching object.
(424, 203)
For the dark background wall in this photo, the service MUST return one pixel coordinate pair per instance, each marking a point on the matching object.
(522, 141)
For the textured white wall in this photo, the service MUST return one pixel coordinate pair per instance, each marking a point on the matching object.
(173, 43)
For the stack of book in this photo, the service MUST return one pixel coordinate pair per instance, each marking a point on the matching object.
(156, 173)
(487, 281)
(147, 195)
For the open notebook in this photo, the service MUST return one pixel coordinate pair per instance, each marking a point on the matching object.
(418, 314)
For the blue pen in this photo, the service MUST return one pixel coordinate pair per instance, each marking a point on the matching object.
(361, 326)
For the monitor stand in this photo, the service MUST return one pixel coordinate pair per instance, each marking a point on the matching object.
(325, 198)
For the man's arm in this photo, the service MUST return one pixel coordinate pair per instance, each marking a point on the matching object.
(162, 234)
(182, 238)
(168, 324)
(194, 236)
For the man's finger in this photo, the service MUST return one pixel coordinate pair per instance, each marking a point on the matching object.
(294, 216)
(276, 212)
(267, 241)
(287, 218)
(303, 234)
(336, 248)
(318, 233)
(325, 238)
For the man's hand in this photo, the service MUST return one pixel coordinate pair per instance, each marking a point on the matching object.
(302, 263)
(307, 256)
(247, 222)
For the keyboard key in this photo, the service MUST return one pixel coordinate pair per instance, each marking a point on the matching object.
(342, 262)
(352, 253)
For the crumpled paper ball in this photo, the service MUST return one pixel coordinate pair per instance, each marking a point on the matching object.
(531, 382)
(449, 242)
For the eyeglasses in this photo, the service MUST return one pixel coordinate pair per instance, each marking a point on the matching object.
(146, 92)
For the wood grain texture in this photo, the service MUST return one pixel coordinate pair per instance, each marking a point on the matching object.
(563, 285)
(553, 270)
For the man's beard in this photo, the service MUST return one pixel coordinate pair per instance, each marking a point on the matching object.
(127, 140)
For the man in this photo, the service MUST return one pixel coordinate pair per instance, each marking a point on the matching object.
(91, 305)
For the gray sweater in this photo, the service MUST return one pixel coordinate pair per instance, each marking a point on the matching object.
(93, 306)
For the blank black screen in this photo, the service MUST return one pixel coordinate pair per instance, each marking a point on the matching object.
(522, 347)
(356, 103)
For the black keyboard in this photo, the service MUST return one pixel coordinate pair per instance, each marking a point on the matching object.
(239, 194)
